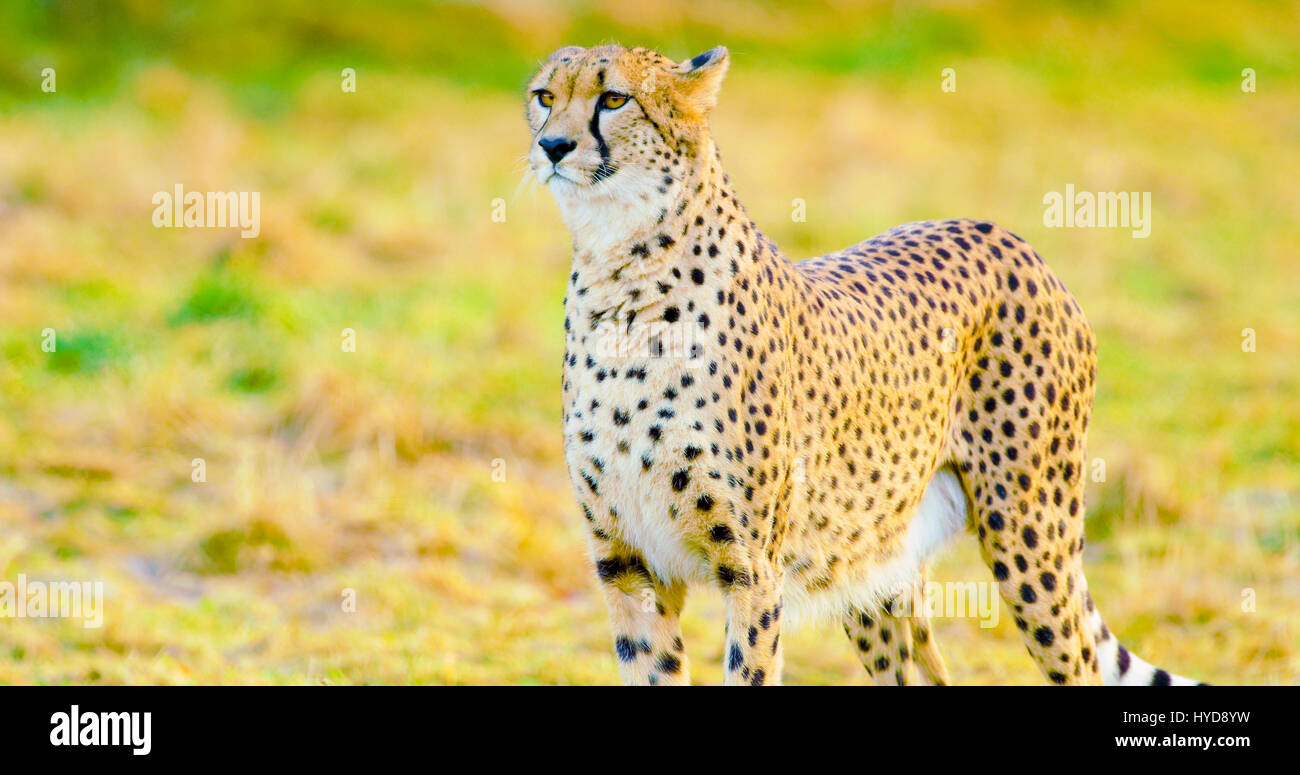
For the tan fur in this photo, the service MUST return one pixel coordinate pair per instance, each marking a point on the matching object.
(792, 454)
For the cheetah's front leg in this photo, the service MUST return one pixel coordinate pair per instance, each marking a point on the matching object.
(753, 641)
(645, 614)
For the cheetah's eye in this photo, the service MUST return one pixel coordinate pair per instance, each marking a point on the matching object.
(544, 98)
(612, 100)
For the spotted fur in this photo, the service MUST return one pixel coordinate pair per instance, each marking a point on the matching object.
(828, 424)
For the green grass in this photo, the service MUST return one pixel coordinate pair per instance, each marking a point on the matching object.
(217, 294)
(84, 352)
(378, 471)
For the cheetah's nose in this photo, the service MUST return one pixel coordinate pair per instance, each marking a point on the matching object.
(556, 147)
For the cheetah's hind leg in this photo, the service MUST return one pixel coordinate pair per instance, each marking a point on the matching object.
(889, 640)
(926, 652)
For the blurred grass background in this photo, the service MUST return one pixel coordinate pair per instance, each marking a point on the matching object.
(373, 471)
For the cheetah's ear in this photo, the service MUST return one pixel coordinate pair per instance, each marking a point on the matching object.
(700, 77)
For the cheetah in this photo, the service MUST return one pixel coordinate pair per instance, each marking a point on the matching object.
(803, 435)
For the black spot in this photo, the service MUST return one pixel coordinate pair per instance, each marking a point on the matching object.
(625, 648)
(608, 569)
(728, 576)
(669, 663)
(1044, 636)
(722, 533)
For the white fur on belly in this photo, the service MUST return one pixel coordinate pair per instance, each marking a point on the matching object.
(940, 515)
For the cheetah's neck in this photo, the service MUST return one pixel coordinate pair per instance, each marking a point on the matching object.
(634, 261)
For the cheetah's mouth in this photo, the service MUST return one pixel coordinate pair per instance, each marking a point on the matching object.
(556, 173)
(578, 178)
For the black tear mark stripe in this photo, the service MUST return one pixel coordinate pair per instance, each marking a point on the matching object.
(549, 112)
(606, 169)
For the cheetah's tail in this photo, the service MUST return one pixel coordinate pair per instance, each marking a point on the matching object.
(1119, 666)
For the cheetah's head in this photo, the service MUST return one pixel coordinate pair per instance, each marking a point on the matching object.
(608, 121)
